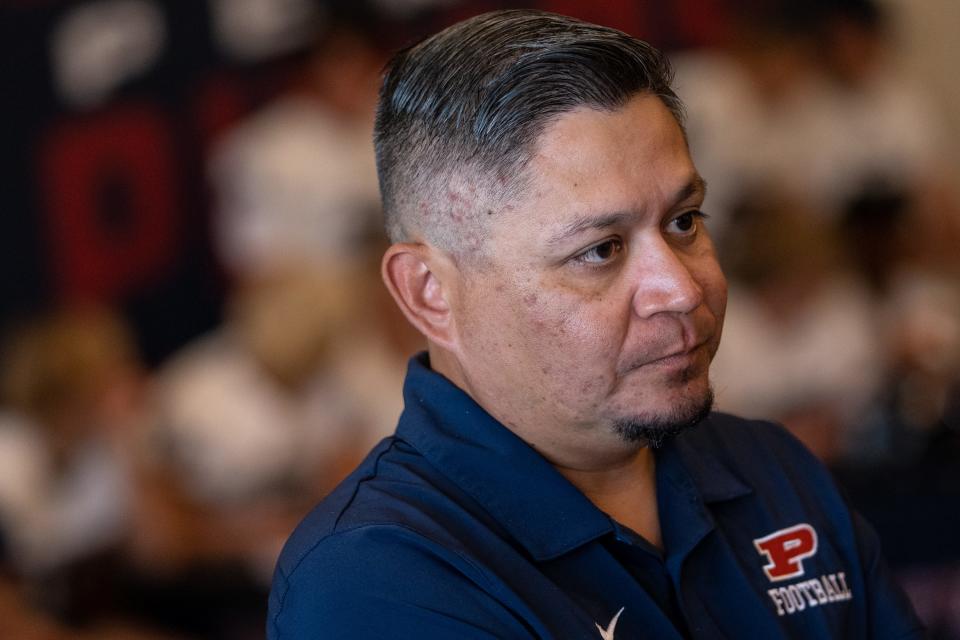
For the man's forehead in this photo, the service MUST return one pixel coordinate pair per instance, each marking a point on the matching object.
(644, 119)
(588, 152)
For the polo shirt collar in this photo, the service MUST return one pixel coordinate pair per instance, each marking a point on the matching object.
(688, 480)
(538, 506)
(714, 479)
(505, 475)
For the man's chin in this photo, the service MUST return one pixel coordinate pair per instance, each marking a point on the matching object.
(654, 429)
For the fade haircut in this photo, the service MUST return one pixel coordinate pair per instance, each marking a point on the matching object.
(460, 113)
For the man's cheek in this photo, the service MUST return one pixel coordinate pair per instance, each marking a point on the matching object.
(714, 284)
(542, 317)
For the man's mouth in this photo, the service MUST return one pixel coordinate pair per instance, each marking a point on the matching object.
(678, 359)
(683, 358)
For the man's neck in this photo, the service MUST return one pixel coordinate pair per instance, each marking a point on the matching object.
(626, 492)
(618, 477)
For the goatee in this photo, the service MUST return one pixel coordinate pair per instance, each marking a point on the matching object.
(654, 432)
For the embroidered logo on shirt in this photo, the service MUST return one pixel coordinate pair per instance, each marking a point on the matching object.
(785, 551)
(831, 587)
(607, 634)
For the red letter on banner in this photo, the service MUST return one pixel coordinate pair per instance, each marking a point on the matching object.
(110, 202)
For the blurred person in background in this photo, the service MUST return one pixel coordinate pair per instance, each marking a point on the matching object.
(256, 422)
(806, 100)
(297, 211)
(296, 182)
(74, 413)
(750, 106)
(801, 342)
(255, 418)
(881, 130)
(262, 416)
(915, 283)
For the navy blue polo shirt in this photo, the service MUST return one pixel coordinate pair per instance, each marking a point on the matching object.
(456, 528)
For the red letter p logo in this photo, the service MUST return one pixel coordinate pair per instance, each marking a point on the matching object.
(785, 550)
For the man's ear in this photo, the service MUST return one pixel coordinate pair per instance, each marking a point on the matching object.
(421, 280)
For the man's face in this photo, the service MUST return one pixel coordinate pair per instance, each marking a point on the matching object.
(602, 301)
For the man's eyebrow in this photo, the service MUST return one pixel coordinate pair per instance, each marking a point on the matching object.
(589, 222)
(695, 186)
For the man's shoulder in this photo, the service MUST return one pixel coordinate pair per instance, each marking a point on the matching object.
(394, 492)
(379, 578)
(394, 539)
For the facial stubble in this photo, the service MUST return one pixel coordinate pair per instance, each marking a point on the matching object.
(655, 431)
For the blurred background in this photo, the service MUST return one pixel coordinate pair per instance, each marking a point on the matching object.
(196, 347)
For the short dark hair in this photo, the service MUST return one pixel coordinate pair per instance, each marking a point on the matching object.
(460, 112)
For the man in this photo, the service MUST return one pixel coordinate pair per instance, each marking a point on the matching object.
(548, 242)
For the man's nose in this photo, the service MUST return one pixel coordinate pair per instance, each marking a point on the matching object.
(665, 282)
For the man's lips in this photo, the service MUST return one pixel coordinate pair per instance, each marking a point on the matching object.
(678, 358)
(681, 353)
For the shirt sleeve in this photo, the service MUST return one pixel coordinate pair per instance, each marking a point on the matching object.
(891, 616)
(386, 581)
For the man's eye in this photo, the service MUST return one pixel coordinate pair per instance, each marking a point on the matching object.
(686, 223)
(601, 253)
